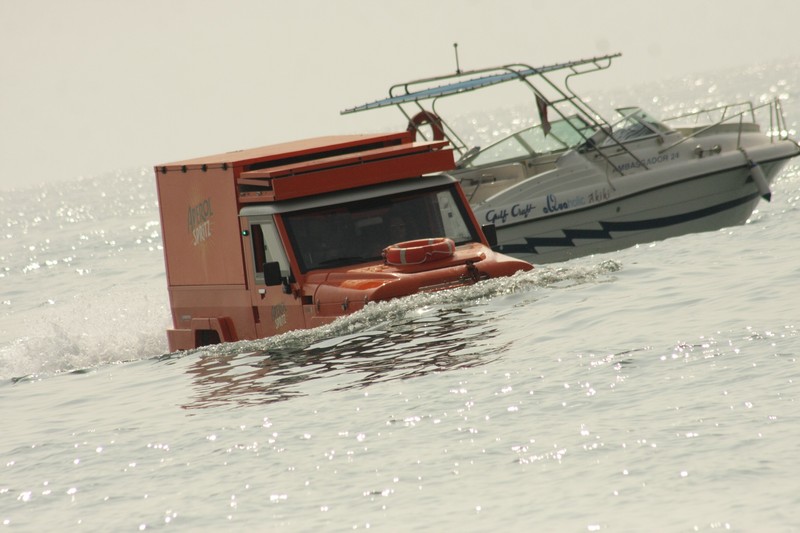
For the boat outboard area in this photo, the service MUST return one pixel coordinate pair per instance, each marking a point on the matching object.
(573, 183)
(263, 241)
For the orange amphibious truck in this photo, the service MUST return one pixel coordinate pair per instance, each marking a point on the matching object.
(259, 242)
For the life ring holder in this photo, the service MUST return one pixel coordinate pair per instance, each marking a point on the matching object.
(419, 251)
(427, 118)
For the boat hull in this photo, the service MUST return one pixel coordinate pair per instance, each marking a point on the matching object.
(704, 202)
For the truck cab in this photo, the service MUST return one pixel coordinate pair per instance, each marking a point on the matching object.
(263, 241)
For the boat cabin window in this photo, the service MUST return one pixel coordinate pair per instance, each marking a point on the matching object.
(267, 247)
(563, 134)
(635, 124)
(357, 232)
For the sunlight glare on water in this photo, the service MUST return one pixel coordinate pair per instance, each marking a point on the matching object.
(650, 389)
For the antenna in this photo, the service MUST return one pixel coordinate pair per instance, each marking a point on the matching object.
(458, 68)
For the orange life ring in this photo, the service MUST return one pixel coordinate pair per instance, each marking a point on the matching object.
(426, 117)
(419, 251)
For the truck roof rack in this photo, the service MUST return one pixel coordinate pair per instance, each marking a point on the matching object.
(335, 173)
(324, 164)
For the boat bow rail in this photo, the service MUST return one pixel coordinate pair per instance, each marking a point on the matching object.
(742, 117)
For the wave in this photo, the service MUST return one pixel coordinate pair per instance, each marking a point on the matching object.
(95, 330)
(116, 325)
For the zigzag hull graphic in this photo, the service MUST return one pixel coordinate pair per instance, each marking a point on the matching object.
(606, 228)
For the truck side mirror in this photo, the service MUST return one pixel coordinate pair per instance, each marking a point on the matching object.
(272, 274)
(490, 230)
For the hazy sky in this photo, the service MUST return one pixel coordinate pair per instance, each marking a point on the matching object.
(93, 86)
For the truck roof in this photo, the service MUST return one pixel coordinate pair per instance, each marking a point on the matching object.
(316, 146)
(322, 164)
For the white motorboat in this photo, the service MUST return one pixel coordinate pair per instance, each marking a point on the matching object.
(574, 183)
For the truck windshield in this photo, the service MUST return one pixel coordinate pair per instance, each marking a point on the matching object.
(357, 232)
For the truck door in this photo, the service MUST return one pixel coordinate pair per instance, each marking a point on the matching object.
(275, 309)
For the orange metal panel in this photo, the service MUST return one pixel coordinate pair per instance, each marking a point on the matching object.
(294, 149)
(199, 307)
(384, 152)
(200, 228)
(358, 175)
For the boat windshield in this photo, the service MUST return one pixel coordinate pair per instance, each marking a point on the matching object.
(635, 124)
(563, 134)
(357, 232)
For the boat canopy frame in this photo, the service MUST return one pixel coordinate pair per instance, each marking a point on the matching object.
(417, 91)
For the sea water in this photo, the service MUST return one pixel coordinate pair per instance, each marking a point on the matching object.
(651, 389)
